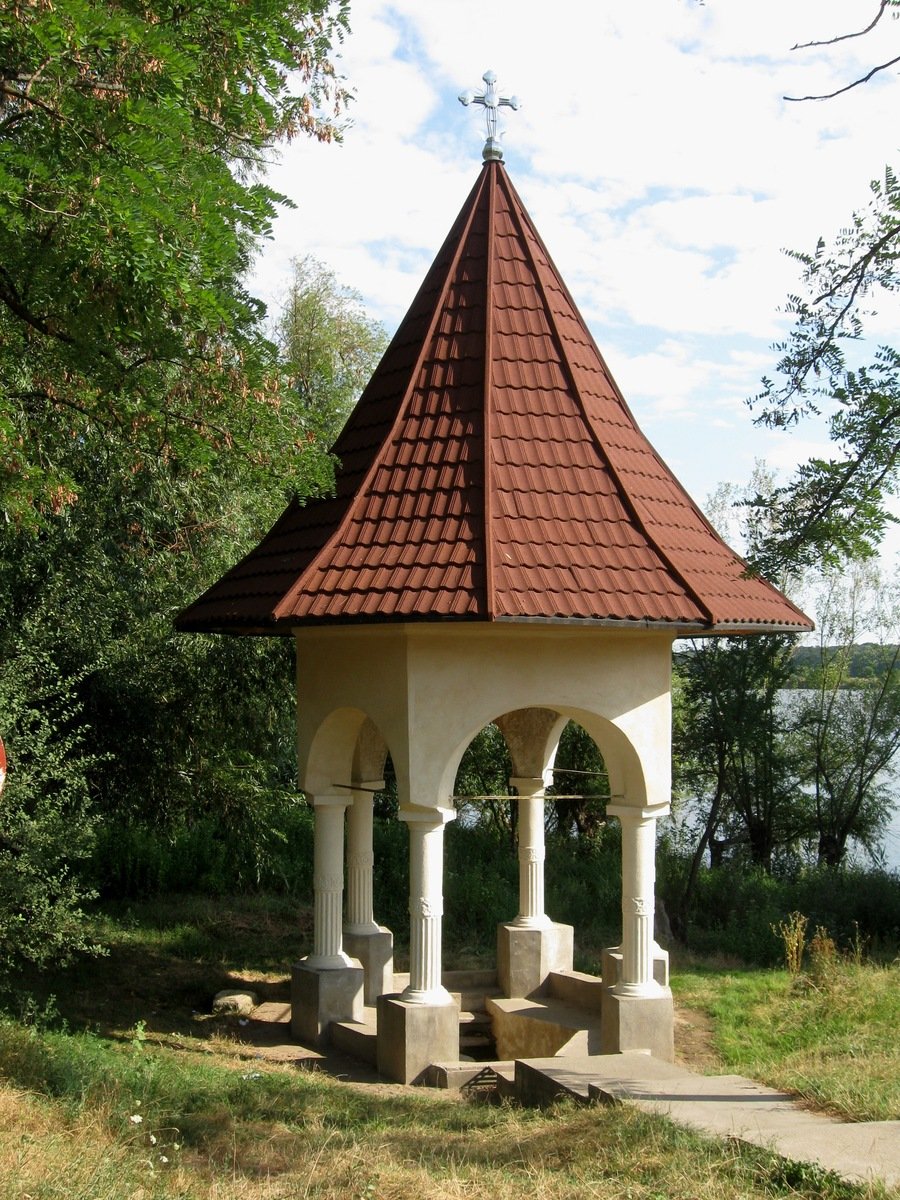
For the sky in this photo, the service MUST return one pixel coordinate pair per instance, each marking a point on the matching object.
(658, 158)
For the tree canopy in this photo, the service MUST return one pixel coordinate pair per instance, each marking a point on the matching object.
(131, 141)
(831, 365)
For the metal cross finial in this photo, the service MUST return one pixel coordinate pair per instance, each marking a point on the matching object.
(492, 101)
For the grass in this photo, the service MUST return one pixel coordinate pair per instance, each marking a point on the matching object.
(832, 1039)
(216, 1126)
(68, 1128)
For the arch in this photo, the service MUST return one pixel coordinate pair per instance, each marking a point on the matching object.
(623, 762)
(346, 746)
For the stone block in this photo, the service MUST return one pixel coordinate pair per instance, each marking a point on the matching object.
(320, 996)
(375, 952)
(611, 965)
(413, 1036)
(638, 1023)
(525, 957)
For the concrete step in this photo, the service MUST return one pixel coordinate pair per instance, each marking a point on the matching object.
(457, 1075)
(576, 987)
(474, 1022)
(357, 1038)
(539, 1028)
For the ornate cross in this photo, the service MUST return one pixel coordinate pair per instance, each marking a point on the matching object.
(491, 101)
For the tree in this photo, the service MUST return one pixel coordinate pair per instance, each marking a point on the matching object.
(329, 346)
(836, 508)
(185, 729)
(848, 731)
(132, 136)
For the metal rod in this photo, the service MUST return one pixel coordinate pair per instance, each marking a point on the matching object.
(572, 771)
(580, 796)
(354, 787)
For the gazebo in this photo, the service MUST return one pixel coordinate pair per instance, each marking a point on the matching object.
(503, 545)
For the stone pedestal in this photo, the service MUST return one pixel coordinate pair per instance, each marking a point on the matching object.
(412, 1036)
(320, 996)
(525, 957)
(375, 952)
(638, 1023)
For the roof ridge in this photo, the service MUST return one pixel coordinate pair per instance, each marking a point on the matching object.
(357, 501)
(518, 207)
(490, 168)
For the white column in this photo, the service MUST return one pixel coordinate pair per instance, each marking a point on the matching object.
(426, 904)
(360, 859)
(638, 896)
(328, 883)
(531, 853)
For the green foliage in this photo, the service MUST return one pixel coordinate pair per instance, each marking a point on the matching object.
(837, 508)
(46, 823)
(736, 910)
(329, 347)
(131, 137)
(846, 737)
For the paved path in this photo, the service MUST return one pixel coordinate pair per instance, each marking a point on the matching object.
(723, 1105)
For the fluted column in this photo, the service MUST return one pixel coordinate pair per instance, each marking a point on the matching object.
(328, 883)
(426, 905)
(361, 860)
(638, 896)
(531, 853)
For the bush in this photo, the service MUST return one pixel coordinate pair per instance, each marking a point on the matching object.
(46, 826)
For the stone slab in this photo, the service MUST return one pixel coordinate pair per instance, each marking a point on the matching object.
(320, 996)
(413, 1036)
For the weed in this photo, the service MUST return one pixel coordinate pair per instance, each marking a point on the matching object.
(793, 936)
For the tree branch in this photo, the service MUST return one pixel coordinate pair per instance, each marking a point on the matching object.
(10, 297)
(843, 37)
(849, 87)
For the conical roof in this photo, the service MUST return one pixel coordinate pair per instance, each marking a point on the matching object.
(492, 471)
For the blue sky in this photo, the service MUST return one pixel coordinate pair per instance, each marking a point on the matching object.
(658, 159)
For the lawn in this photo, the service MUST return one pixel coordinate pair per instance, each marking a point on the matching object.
(130, 1089)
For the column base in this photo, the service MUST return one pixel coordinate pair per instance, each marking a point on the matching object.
(413, 1036)
(611, 966)
(638, 1023)
(319, 997)
(525, 957)
(375, 952)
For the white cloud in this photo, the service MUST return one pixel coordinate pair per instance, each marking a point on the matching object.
(656, 156)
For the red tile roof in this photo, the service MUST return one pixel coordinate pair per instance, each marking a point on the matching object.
(492, 471)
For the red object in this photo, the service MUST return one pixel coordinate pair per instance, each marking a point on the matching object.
(2, 764)
(492, 471)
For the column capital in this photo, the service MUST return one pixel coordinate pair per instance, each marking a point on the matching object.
(637, 812)
(527, 786)
(330, 799)
(427, 817)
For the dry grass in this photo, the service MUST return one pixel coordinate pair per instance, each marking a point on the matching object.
(238, 1130)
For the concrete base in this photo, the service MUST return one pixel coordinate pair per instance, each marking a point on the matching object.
(525, 957)
(320, 996)
(413, 1036)
(638, 1023)
(375, 952)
